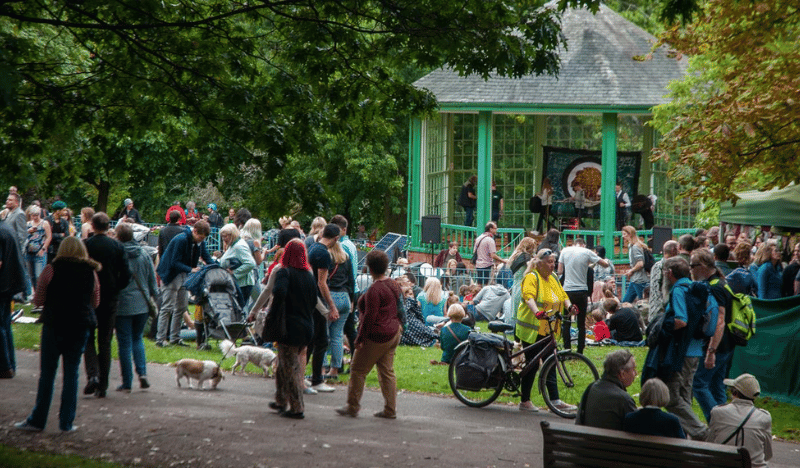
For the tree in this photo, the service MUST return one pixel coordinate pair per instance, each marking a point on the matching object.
(91, 85)
(733, 121)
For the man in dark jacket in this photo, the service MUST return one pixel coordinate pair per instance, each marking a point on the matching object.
(606, 402)
(168, 232)
(179, 259)
(11, 282)
(114, 276)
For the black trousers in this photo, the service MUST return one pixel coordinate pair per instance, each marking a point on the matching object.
(526, 385)
(97, 356)
(316, 352)
(580, 299)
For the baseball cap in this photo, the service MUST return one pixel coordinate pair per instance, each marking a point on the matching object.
(746, 384)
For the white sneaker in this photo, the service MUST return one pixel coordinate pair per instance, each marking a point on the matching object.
(323, 387)
(529, 407)
(564, 406)
(307, 382)
(309, 391)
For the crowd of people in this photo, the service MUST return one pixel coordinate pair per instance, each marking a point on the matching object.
(329, 307)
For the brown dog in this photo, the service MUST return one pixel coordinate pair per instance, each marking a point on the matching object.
(198, 370)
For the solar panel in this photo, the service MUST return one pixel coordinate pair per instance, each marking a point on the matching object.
(391, 243)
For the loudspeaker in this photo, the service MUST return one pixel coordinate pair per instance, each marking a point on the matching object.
(431, 229)
(661, 234)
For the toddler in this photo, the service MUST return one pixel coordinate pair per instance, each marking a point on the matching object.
(453, 333)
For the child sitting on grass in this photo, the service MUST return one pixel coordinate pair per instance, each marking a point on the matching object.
(601, 330)
(453, 333)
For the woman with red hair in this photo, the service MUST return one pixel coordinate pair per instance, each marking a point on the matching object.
(294, 295)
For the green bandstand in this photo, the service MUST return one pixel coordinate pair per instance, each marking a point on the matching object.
(501, 129)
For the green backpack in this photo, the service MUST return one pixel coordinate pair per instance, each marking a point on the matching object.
(742, 325)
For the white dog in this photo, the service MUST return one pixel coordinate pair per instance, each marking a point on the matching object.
(198, 370)
(260, 357)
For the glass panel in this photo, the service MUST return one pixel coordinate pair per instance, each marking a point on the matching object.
(512, 158)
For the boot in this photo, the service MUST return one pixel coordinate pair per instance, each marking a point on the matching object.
(200, 328)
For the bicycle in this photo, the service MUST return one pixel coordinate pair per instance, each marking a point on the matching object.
(572, 372)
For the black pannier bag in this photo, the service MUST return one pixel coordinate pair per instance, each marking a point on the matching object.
(480, 367)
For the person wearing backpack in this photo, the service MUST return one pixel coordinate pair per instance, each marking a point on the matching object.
(677, 354)
(709, 390)
(637, 275)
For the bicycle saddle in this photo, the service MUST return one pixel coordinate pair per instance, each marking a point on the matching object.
(497, 326)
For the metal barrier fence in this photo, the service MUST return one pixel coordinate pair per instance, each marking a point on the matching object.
(509, 238)
(453, 279)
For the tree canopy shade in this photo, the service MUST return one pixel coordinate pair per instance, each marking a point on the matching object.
(732, 124)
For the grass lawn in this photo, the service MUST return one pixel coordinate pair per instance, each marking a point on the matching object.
(416, 374)
(12, 456)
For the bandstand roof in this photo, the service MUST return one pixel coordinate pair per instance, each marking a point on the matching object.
(598, 72)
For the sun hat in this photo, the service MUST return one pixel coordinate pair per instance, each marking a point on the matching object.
(746, 384)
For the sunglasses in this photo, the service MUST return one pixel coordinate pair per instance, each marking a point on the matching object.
(545, 253)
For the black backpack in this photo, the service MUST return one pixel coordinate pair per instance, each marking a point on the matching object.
(481, 367)
(649, 260)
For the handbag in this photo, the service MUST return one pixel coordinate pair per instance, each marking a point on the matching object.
(275, 323)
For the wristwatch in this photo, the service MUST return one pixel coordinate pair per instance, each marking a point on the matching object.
(712, 350)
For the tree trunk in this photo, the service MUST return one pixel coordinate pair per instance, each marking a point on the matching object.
(103, 188)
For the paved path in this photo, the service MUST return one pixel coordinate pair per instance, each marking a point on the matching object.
(232, 427)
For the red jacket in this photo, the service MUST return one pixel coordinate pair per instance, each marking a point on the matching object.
(179, 209)
(438, 262)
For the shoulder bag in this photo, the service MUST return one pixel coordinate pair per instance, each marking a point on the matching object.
(741, 426)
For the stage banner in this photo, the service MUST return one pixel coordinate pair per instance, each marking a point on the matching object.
(565, 166)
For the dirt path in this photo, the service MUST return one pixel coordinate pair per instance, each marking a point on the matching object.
(232, 427)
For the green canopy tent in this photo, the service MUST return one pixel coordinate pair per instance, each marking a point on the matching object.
(777, 207)
(772, 354)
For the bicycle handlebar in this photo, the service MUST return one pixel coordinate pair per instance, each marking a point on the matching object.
(542, 315)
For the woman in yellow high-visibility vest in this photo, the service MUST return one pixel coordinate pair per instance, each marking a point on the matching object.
(541, 290)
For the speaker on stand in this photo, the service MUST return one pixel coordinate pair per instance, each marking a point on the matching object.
(431, 232)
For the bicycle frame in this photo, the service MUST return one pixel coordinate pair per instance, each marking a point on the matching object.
(548, 347)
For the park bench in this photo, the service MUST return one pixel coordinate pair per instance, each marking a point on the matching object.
(568, 445)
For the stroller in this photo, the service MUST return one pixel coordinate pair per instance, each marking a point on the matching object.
(219, 312)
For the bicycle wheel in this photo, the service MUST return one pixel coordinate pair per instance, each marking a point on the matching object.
(571, 376)
(475, 399)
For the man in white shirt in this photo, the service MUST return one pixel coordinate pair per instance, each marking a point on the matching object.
(574, 263)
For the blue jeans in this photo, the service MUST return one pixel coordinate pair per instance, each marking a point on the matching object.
(709, 391)
(470, 212)
(35, 265)
(7, 356)
(57, 343)
(130, 329)
(633, 291)
(336, 328)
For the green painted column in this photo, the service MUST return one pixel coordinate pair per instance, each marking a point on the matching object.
(484, 210)
(646, 170)
(609, 178)
(414, 178)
